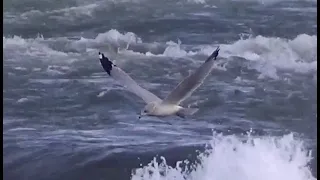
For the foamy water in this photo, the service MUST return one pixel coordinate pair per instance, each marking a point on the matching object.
(231, 157)
(268, 54)
(65, 118)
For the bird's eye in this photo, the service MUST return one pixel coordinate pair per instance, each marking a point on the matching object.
(145, 111)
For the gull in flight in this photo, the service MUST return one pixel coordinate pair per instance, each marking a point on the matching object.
(171, 104)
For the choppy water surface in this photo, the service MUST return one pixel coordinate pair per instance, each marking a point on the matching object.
(64, 118)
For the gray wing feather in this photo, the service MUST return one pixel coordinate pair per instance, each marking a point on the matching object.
(125, 80)
(192, 82)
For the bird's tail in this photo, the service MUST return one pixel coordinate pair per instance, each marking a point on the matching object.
(186, 112)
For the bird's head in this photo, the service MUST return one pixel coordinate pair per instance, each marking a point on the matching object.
(148, 109)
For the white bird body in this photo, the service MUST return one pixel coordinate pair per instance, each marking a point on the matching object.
(160, 109)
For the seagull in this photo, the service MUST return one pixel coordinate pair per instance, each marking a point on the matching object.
(171, 104)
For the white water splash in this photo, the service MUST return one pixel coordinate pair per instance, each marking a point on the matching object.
(268, 54)
(265, 158)
(22, 100)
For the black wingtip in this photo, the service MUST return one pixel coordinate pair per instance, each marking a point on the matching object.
(101, 56)
(216, 52)
(214, 55)
(106, 63)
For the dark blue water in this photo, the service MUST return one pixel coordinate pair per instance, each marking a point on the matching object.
(65, 118)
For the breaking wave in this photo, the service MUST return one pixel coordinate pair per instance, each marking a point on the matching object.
(230, 157)
(266, 54)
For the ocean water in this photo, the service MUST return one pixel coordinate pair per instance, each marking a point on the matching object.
(65, 118)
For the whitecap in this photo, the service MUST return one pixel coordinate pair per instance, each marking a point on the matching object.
(229, 157)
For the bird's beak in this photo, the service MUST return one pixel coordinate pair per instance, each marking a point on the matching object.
(141, 115)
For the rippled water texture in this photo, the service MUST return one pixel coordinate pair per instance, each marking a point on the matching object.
(65, 118)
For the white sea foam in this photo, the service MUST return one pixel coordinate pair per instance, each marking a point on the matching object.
(173, 50)
(21, 47)
(305, 10)
(22, 100)
(115, 36)
(20, 68)
(68, 14)
(298, 54)
(110, 37)
(268, 54)
(87, 9)
(232, 158)
(197, 1)
(273, 1)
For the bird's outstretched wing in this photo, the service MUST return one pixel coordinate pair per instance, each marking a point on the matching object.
(125, 80)
(186, 87)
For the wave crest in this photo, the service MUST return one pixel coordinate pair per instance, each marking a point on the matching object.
(231, 158)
